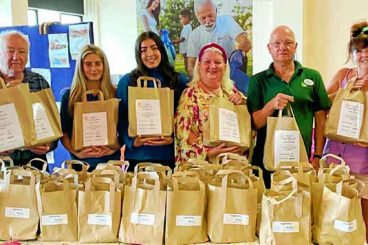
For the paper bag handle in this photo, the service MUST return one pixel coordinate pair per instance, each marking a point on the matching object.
(44, 163)
(324, 159)
(3, 164)
(225, 157)
(20, 172)
(187, 179)
(144, 175)
(104, 173)
(124, 165)
(289, 108)
(93, 92)
(66, 173)
(156, 167)
(156, 82)
(69, 165)
(228, 172)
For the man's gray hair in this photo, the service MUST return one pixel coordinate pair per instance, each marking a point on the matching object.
(11, 32)
(200, 3)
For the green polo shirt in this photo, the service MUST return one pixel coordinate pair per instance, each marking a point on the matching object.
(306, 85)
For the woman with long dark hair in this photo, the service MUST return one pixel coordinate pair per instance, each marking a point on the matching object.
(151, 61)
(150, 16)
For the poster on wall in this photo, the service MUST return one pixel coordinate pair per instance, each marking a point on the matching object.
(174, 19)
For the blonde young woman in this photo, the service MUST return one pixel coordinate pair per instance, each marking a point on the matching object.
(355, 155)
(210, 80)
(91, 72)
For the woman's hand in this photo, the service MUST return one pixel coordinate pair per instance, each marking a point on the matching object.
(359, 83)
(213, 152)
(40, 150)
(91, 151)
(237, 99)
(152, 141)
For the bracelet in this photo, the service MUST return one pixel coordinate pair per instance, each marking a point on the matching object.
(317, 156)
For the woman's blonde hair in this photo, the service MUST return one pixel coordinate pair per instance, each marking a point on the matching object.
(79, 84)
(226, 83)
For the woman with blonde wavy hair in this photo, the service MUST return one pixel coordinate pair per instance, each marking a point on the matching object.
(91, 72)
(211, 80)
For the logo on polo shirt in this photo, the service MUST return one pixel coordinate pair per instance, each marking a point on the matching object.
(307, 83)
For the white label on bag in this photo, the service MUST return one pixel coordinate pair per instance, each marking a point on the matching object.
(286, 146)
(345, 226)
(99, 219)
(351, 119)
(228, 126)
(148, 114)
(142, 219)
(11, 135)
(54, 219)
(94, 128)
(20, 213)
(285, 227)
(42, 123)
(236, 219)
(188, 220)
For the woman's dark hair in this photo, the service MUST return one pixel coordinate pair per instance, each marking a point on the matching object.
(169, 74)
(155, 12)
(358, 37)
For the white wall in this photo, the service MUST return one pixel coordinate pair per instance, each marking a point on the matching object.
(13, 12)
(267, 14)
(327, 28)
(118, 31)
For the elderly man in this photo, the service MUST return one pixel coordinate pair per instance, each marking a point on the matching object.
(222, 30)
(287, 81)
(14, 48)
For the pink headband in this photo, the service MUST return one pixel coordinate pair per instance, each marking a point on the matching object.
(212, 45)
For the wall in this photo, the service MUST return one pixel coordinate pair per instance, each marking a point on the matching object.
(326, 32)
(13, 12)
(267, 14)
(118, 31)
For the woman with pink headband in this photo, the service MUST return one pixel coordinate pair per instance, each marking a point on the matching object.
(210, 80)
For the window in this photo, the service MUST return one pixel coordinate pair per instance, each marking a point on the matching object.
(38, 16)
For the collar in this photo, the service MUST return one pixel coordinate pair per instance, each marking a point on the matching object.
(271, 70)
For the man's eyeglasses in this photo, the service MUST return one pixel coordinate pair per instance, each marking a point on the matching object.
(287, 44)
(364, 30)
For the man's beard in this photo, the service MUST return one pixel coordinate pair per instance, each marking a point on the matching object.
(209, 27)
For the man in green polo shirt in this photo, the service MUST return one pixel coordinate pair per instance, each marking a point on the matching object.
(287, 81)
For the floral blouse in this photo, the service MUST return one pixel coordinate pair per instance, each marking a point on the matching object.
(191, 114)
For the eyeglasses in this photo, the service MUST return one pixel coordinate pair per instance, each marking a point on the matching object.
(287, 44)
(363, 30)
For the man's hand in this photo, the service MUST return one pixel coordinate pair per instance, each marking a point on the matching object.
(91, 151)
(280, 101)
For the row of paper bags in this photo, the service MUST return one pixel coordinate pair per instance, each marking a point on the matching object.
(143, 211)
(302, 207)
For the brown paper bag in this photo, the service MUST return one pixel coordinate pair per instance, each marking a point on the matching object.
(340, 218)
(329, 175)
(286, 216)
(143, 212)
(46, 116)
(351, 127)
(227, 123)
(283, 133)
(18, 206)
(151, 110)
(58, 211)
(17, 128)
(99, 210)
(185, 212)
(92, 115)
(232, 208)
